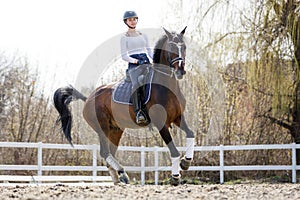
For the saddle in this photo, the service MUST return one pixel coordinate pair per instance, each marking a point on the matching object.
(122, 90)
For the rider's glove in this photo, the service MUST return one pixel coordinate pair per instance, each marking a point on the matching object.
(141, 62)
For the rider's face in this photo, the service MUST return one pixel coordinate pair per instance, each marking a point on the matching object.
(132, 22)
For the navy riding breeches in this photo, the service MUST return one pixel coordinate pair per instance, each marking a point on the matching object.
(135, 71)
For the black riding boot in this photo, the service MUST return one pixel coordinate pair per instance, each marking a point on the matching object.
(137, 105)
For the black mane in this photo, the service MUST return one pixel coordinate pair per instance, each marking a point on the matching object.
(158, 49)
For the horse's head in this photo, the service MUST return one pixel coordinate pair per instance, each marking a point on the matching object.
(175, 49)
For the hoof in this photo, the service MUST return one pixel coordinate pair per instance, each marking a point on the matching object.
(185, 164)
(124, 178)
(114, 175)
(175, 180)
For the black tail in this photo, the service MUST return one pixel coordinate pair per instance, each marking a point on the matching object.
(62, 98)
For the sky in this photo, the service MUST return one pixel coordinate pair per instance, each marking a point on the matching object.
(58, 35)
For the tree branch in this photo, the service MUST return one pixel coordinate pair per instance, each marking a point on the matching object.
(278, 122)
(243, 80)
(224, 36)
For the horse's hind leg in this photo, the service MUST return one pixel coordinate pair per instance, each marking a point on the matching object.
(114, 137)
(190, 140)
(105, 152)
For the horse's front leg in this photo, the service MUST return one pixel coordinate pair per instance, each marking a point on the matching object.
(175, 156)
(186, 161)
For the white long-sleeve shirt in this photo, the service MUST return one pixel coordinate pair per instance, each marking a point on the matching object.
(135, 45)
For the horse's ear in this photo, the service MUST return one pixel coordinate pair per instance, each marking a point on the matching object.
(183, 31)
(167, 33)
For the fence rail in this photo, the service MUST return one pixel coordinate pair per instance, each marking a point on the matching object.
(156, 168)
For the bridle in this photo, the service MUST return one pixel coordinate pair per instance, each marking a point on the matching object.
(171, 61)
(177, 59)
(176, 40)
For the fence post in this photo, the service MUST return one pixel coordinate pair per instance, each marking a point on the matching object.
(294, 163)
(143, 165)
(94, 162)
(221, 164)
(156, 160)
(40, 159)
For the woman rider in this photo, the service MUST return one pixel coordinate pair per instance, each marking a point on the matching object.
(136, 51)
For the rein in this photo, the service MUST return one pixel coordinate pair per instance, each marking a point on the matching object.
(164, 73)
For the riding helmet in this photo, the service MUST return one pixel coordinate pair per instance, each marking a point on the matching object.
(129, 14)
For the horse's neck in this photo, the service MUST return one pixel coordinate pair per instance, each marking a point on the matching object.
(164, 74)
(170, 85)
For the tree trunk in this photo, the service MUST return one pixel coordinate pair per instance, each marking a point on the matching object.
(291, 21)
(295, 131)
(296, 111)
(295, 126)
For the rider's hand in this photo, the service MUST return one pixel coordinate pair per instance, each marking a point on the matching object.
(141, 62)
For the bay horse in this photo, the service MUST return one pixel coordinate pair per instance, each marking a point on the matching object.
(166, 105)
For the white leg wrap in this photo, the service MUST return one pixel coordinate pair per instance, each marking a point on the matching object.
(113, 163)
(175, 165)
(190, 147)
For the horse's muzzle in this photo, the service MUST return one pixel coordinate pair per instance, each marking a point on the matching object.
(179, 73)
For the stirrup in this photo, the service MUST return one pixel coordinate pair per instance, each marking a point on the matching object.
(140, 118)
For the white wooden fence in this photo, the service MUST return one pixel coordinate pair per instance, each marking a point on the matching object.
(143, 169)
